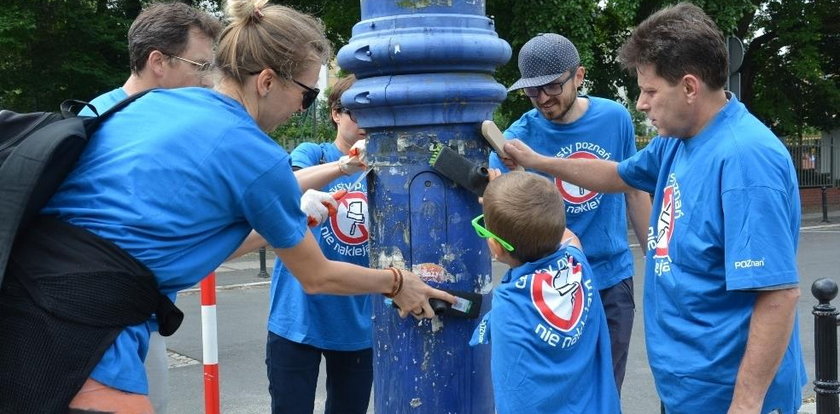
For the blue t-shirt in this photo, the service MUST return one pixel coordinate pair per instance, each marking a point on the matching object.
(725, 223)
(177, 179)
(104, 102)
(550, 346)
(605, 131)
(340, 323)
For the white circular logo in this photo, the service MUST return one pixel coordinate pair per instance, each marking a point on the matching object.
(350, 222)
(572, 193)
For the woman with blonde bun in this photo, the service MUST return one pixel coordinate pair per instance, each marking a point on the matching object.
(169, 187)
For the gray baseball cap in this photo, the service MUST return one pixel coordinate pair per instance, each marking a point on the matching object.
(543, 59)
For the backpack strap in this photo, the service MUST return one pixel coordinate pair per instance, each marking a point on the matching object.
(32, 173)
(71, 107)
(93, 122)
(39, 164)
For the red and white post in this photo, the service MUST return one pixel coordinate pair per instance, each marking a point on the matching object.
(210, 344)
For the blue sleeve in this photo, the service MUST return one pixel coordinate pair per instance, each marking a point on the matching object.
(760, 248)
(630, 133)
(642, 169)
(518, 129)
(306, 154)
(271, 204)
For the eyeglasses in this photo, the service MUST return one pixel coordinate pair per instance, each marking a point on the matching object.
(309, 94)
(478, 225)
(549, 89)
(348, 112)
(201, 67)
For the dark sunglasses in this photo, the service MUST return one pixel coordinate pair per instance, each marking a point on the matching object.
(309, 94)
(349, 113)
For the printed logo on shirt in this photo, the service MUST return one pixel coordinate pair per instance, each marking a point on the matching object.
(562, 299)
(659, 238)
(665, 223)
(579, 199)
(347, 231)
(748, 263)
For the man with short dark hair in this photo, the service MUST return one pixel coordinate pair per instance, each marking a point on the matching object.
(564, 124)
(721, 282)
(170, 45)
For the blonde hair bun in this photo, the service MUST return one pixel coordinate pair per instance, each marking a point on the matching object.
(243, 11)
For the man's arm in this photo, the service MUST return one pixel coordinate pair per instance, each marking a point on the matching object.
(596, 175)
(771, 326)
(638, 208)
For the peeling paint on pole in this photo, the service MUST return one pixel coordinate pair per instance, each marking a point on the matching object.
(425, 77)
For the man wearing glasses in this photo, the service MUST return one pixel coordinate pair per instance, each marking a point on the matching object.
(565, 124)
(170, 45)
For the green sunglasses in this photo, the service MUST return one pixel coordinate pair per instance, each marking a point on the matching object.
(478, 225)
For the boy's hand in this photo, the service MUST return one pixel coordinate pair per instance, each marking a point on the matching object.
(492, 174)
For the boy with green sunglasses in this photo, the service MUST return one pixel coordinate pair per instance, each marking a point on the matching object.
(550, 343)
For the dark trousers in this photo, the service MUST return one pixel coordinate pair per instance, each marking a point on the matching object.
(620, 308)
(293, 378)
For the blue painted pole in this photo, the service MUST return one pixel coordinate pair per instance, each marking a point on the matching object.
(424, 72)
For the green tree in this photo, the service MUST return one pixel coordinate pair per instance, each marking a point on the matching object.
(790, 70)
(790, 76)
(312, 125)
(339, 16)
(51, 50)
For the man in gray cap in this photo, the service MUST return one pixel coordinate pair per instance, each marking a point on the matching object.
(565, 124)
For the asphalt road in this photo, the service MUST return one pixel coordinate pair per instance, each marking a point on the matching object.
(242, 310)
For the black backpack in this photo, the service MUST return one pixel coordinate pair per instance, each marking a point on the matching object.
(37, 152)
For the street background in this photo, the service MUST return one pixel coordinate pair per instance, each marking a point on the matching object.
(242, 309)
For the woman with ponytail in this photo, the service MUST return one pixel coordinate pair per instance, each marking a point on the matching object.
(170, 186)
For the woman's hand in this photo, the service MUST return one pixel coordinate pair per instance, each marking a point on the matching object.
(414, 297)
(315, 204)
